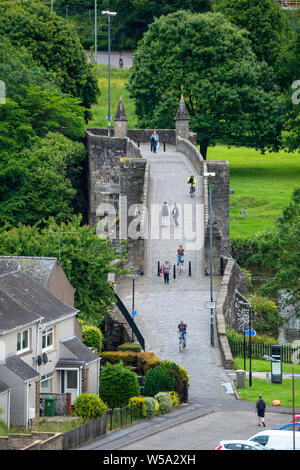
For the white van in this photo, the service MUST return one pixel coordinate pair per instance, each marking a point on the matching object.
(277, 439)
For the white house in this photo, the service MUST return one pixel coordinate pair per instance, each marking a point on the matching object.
(40, 351)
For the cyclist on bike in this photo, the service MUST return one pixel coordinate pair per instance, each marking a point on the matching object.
(192, 182)
(180, 255)
(182, 331)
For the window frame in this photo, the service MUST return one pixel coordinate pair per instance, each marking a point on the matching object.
(45, 333)
(46, 378)
(27, 348)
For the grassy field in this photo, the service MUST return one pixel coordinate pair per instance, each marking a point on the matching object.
(258, 365)
(118, 79)
(263, 183)
(270, 392)
(263, 186)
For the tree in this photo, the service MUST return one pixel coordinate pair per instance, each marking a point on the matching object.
(265, 21)
(228, 93)
(85, 258)
(53, 43)
(117, 385)
(279, 249)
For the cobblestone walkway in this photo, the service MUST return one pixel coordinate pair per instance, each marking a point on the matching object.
(161, 306)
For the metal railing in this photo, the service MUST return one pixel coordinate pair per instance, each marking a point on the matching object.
(130, 321)
(258, 350)
(289, 3)
(117, 418)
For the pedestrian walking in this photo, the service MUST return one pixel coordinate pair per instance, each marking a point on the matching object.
(154, 141)
(260, 410)
(166, 272)
(164, 214)
(175, 214)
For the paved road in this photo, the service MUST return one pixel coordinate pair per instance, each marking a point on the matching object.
(161, 306)
(102, 58)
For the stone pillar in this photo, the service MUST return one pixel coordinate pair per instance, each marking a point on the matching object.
(182, 120)
(120, 120)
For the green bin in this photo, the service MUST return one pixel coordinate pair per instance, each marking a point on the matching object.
(50, 406)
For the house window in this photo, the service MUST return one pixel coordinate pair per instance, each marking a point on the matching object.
(46, 383)
(23, 341)
(48, 338)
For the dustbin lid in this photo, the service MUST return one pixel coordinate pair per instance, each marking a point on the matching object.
(50, 398)
(240, 372)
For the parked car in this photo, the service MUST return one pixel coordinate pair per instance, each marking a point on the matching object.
(297, 418)
(277, 439)
(238, 444)
(289, 427)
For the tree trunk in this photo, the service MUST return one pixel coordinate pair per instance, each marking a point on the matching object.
(203, 148)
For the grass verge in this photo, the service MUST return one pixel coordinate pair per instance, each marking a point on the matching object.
(270, 392)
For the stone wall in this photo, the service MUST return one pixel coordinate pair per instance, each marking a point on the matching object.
(33, 441)
(61, 402)
(234, 283)
(191, 152)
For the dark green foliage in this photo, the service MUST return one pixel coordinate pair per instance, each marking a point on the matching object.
(158, 380)
(229, 94)
(53, 43)
(89, 406)
(130, 347)
(264, 20)
(266, 319)
(279, 249)
(242, 250)
(117, 385)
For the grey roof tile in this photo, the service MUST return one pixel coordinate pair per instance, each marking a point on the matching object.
(20, 368)
(79, 349)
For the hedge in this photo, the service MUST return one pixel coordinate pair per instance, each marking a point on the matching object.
(142, 360)
(130, 347)
(117, 385)
(138, 406)
(165, 402)
(89, 405)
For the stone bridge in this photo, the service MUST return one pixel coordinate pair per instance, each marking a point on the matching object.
(125, 176)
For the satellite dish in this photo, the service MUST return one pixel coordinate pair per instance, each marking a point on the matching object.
(45, 358)
(39, 360)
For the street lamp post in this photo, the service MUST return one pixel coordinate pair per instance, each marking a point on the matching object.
(212, 335)
(95, 60)
(52, 5)
(109, 14)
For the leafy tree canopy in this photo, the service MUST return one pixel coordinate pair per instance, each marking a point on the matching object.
(265, 21)
(53, 43)
(40, 181)
(279, 249)
(229, 94)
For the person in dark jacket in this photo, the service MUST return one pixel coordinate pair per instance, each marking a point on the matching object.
(260, 410)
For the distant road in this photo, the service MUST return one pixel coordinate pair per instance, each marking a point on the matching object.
(102, 58)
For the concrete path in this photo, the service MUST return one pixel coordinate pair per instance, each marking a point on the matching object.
(161, 306)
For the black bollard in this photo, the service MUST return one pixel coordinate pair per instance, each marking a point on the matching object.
(158, 268)
(174, 271)
(164, 145)
(138, 143)
(190, 268)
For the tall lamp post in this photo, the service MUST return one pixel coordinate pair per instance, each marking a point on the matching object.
(95, 60)
(212, 335)
(271, 359)
(109, 14)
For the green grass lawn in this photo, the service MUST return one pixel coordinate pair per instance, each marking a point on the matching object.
(258, 365)
(118, 80)
(270, 392)
(263, 186)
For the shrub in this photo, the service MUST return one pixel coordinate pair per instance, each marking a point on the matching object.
(130, 347)
(158, 380)
(92, 337)
(174, 371)
(150, 407)
(258, 339)
(117, 385)
(88, 405)
(266, 318)
(165, 402)
(175, 399)
(114, 357)
(138, 406)
(146, 361)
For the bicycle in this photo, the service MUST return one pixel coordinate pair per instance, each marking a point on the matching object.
(192, 190)
(180, 265)
(181, 342)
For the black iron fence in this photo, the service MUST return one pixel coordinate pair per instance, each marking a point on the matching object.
(258, 350)
(117, 418)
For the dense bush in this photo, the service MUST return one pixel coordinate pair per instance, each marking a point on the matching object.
(157, 380)
(242, 250)
(143, 360)
(117, 385)
(88, 405)
(165, 402)
(130, 347)
(92, 337)
(266, 319)
(175, 399)
(150, 407)
(233, 335)
(138, 406)
(174, 371)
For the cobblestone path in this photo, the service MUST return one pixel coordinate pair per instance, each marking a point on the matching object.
(161, 306)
